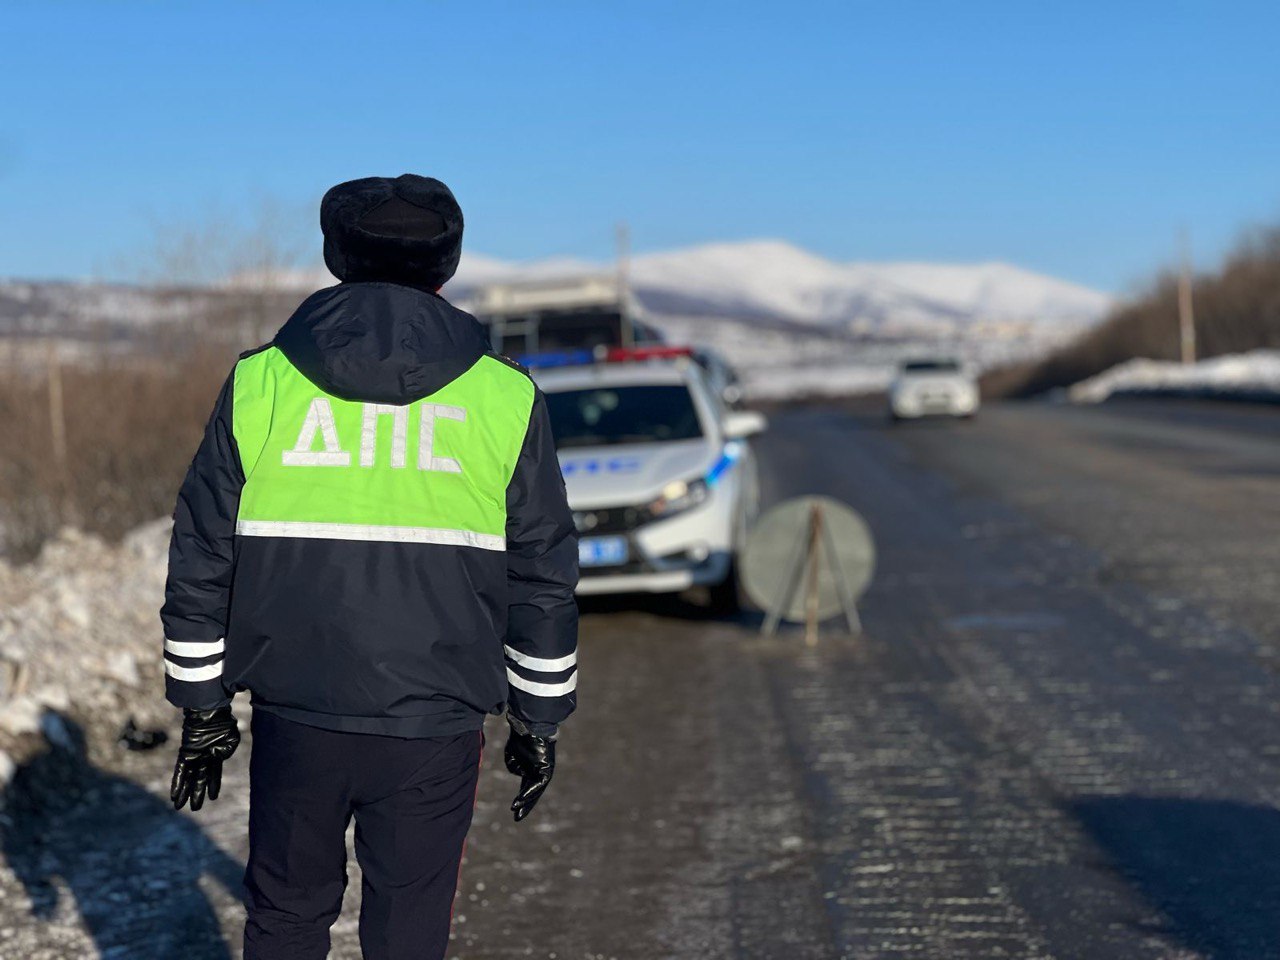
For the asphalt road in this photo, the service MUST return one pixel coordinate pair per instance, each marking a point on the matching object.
(1057, 737)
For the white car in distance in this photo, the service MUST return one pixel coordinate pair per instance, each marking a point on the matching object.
(933, 387)
(660, 477)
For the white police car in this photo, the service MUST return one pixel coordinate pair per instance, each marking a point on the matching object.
(659, 475)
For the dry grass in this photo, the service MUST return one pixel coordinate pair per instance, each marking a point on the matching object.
(134, 403)
(131, 426)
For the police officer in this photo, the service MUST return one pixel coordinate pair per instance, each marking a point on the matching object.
(373, 539)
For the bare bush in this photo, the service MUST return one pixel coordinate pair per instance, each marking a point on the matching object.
(252, 250)
(1237, 308)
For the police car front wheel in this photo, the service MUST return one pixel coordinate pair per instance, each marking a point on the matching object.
(725, 598)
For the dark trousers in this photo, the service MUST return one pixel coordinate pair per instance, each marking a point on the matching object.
(412, 801)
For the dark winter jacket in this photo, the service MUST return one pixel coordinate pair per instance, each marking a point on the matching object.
(374, 536)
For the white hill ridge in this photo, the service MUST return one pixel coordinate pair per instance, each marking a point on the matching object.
(777, 280)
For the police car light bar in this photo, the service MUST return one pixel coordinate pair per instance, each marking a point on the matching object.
(625, 354)
(559, 358)
(579, 358)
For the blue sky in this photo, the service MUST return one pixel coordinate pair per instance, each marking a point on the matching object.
(1068, 138)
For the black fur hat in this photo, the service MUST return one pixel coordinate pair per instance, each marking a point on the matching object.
(407, 230)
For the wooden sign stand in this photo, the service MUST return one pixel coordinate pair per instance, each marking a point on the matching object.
(805, 563)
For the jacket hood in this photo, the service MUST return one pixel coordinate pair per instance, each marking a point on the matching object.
(380, 342)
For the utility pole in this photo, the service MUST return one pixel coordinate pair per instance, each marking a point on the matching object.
(622, 239)
(57, 413)
(58, 431)
(1186, 310)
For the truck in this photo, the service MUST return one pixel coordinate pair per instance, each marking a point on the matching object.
(541, 317)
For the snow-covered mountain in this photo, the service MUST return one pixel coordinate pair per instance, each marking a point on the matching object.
(776, 280)
(793, 322)
(788, 319)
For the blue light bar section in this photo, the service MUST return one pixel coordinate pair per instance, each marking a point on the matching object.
(732, 452)
(560, 358)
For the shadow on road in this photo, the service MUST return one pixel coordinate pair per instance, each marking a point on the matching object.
(1211, 867)
(683, 606)
(131, 863)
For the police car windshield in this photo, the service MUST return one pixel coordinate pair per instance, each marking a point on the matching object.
(609, 415)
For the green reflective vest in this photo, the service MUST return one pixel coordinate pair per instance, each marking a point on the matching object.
(318, 466)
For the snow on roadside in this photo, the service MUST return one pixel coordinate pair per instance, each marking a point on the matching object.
(80, 633)
(1256, 373)
(781, 362)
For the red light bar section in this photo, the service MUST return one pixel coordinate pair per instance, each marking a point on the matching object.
(624, 354)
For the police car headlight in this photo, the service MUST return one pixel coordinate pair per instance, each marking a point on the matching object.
(678, 496)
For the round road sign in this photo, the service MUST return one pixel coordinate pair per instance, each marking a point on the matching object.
(778, 559)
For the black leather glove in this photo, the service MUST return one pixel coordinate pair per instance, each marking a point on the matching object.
(208, 738)
(533, 760)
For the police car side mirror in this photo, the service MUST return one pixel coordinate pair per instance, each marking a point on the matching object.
(743, 423)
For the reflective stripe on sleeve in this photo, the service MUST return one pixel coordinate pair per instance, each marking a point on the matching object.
(183, 648)
(539, 663)
(542, 689)
(364, 532)
(193, 674)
